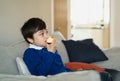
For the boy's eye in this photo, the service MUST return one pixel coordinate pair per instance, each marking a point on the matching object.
(46, 31)
(41, 34)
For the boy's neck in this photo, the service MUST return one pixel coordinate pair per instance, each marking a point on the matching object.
(35, 46)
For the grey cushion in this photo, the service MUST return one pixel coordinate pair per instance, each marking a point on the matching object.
(90, 75)
(7, 60)
(20, 47)
(114, 58)
(60, 46)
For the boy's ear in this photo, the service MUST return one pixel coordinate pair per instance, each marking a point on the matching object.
(30, 40)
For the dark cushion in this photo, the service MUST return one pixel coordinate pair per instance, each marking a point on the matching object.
(114, 73)
(84, 51)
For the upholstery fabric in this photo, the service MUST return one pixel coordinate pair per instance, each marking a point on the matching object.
(114, 58)
(7, 60)
(60, 46)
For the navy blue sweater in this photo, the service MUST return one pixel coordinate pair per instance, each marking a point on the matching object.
(42, 62)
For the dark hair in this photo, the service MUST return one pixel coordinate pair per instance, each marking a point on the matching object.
(31, 26)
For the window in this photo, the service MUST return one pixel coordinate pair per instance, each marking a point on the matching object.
(89, 13)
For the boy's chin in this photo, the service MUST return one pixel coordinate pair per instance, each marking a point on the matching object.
(45, 45)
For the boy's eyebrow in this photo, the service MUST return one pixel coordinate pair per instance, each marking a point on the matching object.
(41, 31)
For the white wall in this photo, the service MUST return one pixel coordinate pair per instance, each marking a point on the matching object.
(13, 13)
(115, 23)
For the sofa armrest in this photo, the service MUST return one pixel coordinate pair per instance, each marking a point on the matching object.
(60, 46)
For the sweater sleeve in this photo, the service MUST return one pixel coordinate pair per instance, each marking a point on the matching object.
(38, 62)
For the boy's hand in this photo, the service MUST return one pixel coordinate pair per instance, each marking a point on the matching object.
(50, 40)
(51, 44)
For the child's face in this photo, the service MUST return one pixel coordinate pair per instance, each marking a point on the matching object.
(40, 37)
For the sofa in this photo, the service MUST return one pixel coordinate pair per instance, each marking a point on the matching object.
(11, 55)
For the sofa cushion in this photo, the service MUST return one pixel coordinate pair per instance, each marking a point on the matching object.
(23, 70)
(60, 46)
(7, 60)
(84, 51)
(114, 58)
(20, 47)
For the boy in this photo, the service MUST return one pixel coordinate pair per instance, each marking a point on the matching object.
(41, 57)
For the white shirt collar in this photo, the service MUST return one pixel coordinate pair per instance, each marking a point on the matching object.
(35, 46)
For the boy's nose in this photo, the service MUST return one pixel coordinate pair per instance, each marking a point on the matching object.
(46, 36)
